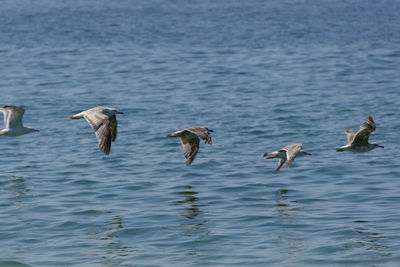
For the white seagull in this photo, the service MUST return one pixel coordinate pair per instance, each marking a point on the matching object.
(358, 141)
(288, 153)
(190, 141)
(13, 121)
(104, 122)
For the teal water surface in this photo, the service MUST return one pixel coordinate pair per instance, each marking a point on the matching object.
(261, 74)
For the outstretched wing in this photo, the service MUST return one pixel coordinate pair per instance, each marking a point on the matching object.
(6, 113)
(291, 153)
(281, 162)
(103, 134)
(366, 129)
(113, 127)
(12, 116)
(202, 132)
(190, 139)
(95, 119)
(103, 127)
(350, 134)
(190, 148)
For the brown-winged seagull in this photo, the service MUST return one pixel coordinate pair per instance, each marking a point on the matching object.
(13, 121)
(358, 141)
(288, 153)
(104, 122)
(190, 141)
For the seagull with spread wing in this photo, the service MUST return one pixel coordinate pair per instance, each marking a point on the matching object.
(104, 122)
(358, 141)
(13, 121)
(288, 153)
(190, 141)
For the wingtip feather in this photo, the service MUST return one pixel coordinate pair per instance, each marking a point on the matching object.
(189, 161)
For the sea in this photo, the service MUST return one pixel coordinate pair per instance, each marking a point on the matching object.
(262, 74)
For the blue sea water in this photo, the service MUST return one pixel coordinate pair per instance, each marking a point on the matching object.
(261, 74)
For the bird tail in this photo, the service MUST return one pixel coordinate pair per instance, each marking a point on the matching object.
(340, 149)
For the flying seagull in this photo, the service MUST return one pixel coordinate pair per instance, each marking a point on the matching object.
(104, 122)
(13, 121)
(288, 153)
(358, 141)
(190, 141)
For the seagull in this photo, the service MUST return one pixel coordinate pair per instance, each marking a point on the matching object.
(190, 141)
(358, 141)
(104, 122)
(288, 153)
(13, 121)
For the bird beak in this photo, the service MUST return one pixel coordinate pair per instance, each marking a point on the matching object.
(120, 112)
(308, 153)
(381, 146)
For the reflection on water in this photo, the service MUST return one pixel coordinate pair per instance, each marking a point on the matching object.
(191, 211)
(368, 240)
(192, 208)
(282, 205)
(16, 190)
(111, 249)
(287, 219)
(194, 227)
(14, 184)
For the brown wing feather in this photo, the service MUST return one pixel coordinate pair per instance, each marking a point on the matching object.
(291, 153)
(103, 134)
(366, 129)
(202, 132)
(350, 134)
(95, 119)
(190, 148)
(281, 162)
(113, 127)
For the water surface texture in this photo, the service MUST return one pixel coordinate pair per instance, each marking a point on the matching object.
(261, 74)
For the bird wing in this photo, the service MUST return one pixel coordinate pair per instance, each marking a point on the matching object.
(6, 113)
(103, 127)
(95, 119)
(190, 148)
(281, 162)
(13, 116)
(113, 126)
(202, 132)
(350, 134)
(291, 153)
(104, 135)
(366, 129)
(176, 134)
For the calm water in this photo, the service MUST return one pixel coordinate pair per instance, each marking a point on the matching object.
(261, 74)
